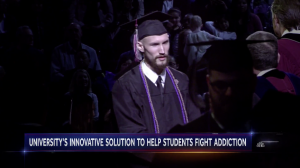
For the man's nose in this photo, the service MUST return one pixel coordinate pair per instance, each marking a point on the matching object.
(161, 50)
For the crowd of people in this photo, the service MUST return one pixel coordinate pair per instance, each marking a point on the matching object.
(67, 66)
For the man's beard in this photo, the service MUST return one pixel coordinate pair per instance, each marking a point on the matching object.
(158, 67)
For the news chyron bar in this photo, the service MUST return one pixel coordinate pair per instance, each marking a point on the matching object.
(208, 142)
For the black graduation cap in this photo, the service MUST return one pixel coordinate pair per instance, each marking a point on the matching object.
(130, 26)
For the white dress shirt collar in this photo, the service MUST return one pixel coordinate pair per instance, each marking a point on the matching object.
(293, 32)
(265, 71)
(152, 75)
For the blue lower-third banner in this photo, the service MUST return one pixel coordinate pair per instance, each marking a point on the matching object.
(138, 142)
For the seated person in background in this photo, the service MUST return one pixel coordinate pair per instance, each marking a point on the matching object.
(220, 24)
(195, 53)
(174, 27)
(187, 21)
(80, 87)
(99, 85)
(63, 55)
(126, 59)
(81, 116)
(265, 60)
(219, 28)
(181, 43)
(82, 61)
(173, 63)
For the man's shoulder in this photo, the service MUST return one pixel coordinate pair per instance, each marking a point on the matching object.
(130, 74)
(178, 74)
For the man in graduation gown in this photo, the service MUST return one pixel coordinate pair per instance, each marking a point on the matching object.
(152, 97)
(265, 60)
(231, 84)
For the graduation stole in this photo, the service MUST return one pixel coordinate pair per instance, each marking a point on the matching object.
(183, 110)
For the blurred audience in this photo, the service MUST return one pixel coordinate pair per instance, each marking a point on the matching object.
(131, 9)
(25, 68)
(80, 89)
(243, 22)
(174, 27)
(220, 24)
(95, 17)
(194, 52)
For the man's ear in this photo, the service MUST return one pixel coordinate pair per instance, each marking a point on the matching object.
(140, 46)
(278, 59)
(276, 22)
(276, 19)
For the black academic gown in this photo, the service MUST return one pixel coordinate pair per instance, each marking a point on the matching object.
(274, 113)
(132, 109)
(205, 123)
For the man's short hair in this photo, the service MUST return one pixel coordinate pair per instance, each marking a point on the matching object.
(264, 55)
(229, 56)
(196, 21)
(287, 12)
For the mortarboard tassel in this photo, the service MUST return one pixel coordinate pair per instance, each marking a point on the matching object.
(135, 40)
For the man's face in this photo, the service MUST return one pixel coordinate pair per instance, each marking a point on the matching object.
(125, 64)
(74, 32)
(187, 21)
(230, 93)
(175, 18)
(82, 60)
(242, 6)
(82, 80)
(156, 51)
(225, 24)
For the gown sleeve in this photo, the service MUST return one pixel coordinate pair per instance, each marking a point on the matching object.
(126, 110)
